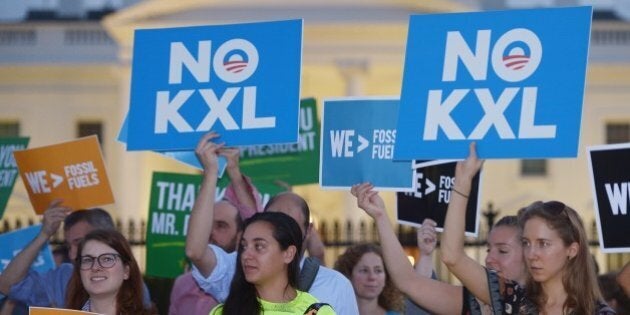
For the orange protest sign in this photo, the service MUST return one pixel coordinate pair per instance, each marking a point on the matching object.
(55, 311)
(73, 171)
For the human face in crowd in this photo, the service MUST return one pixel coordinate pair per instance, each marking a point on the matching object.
(225, 227)
(368, 276)
(74, 235)
(107, 273)
(289, 205)
(545, 252)
(505, 253)
(262, 259)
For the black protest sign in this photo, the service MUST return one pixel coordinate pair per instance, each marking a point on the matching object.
(433, 183)
(610, 180)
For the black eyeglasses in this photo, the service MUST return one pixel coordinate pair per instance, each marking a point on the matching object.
(106, 261)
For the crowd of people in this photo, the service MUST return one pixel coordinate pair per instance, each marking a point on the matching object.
(249, 259)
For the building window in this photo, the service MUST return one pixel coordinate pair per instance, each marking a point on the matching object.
(85, 129)
(617, 133)
(537, 167)
(9, 129)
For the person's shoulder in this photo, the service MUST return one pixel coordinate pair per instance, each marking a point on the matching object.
(325, 272)
(63, 268)
(217, 310)
(185, 277)
(313, 305)
(604, 309)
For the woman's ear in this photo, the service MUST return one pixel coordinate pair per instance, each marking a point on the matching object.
(573, 250)
(126, 272)
(290, 253)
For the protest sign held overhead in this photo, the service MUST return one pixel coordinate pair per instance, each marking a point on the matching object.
(358, 139)
(187, 157)
(434, 181)
(240, 80)
(513, 81)
(610, 181)
(13, 242)
(293, 163)
(8, 168)
(73, 171)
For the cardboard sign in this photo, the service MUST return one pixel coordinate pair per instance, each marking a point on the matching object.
(187, 157)
(293, 163)
(241, 80)
(33, 310)
(513, 81)
(432, 193)
(172, 198)
(8, 168)
(610, 181)
(358, 137)
(73, 171)
(13, 242)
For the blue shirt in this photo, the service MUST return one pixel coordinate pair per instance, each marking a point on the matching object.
(43, 289)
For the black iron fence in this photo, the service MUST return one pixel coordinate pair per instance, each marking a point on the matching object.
(337, 235)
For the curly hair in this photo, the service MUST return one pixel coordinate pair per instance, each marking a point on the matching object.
(390, 298)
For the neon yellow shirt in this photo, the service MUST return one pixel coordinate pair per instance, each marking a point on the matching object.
(297, 306)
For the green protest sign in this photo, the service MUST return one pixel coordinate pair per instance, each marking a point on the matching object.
(8, 167)
(293, 163)
(172, 198)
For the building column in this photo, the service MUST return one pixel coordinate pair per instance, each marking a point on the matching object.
(128, 173)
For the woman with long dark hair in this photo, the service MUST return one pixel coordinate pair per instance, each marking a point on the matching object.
(561, 276)
(267, 268)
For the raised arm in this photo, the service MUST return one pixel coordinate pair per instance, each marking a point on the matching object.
(19, 266)
(201, 216)
(467, 270)
(427, 240)
(241, 192)
(424, 291)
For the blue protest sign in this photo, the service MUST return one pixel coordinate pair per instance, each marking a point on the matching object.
(513, 81)
(187, 157)
(13, 242)
(358, 137)
(241, 80)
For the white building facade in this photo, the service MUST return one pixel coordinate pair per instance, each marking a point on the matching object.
(62, 79)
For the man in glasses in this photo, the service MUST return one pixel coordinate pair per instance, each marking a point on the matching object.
(20, 283)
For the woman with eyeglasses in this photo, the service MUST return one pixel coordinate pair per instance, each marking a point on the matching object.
(561, 276)
(106, 277)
